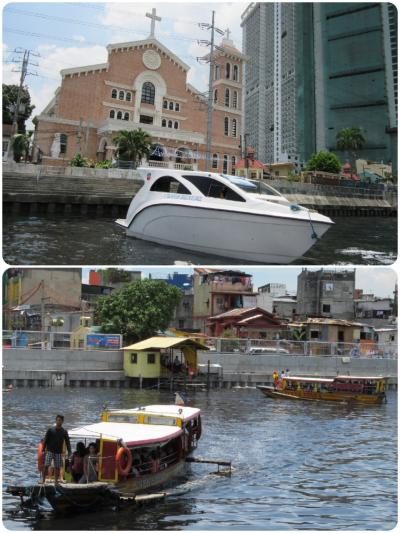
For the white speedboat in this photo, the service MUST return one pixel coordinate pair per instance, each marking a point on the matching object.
(221, 215)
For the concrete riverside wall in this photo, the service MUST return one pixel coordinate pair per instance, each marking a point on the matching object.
(41, 188)
(62, 360)
(238, 364)
(52, 368)
(86, 368)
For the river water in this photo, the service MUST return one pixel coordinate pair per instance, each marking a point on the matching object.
(297, 465)
(74, 240)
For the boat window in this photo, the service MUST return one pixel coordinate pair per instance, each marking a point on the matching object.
(160, 420)
(214, 189)
(132, 419)
(169, 184)
(254, 186)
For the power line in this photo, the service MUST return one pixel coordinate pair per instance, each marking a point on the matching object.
(94, 24)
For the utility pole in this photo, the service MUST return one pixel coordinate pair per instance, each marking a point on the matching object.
(244, 154)
(79, 137)
(210, 59)
(24, 73)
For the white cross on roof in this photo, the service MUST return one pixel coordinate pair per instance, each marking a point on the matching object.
(153, 18)
(228, 33)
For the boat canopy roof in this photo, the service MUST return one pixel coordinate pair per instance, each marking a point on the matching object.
(131, 434)
(366, 378)
(310, 379)
(176, 411)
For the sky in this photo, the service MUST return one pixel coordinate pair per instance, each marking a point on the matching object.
(66, 35)
(372, 280)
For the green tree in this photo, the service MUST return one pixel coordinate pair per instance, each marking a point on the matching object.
(138, 310)
(10, 93)
(20, 144)
(132, 145)
(350, 140)
(325, 162)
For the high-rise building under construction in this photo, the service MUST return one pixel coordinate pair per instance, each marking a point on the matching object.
(314, 69)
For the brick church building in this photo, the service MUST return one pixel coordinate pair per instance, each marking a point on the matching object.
(144, 85)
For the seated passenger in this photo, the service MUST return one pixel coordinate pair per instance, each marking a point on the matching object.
(77, 462)
(90, 465)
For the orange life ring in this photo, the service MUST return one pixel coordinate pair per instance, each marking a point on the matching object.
(123, 451)
(40, 456)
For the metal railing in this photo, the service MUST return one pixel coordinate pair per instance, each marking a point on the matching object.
(44, 340)
(365, 350)
(69, 341)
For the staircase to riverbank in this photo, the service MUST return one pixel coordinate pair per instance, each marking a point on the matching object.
(32, 188)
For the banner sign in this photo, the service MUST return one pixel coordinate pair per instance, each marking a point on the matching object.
(111, 342)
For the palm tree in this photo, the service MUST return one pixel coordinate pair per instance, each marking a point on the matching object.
(132, 145)
(20, 146)
(350, 140)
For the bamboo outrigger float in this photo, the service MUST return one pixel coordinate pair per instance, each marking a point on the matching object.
(139, 450)
(350, 389)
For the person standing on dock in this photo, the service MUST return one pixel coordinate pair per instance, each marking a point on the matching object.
(53, 445)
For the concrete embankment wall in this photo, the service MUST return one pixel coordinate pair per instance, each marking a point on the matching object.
(107, 192)
(24, 367)
(244, 369)
(63, 367)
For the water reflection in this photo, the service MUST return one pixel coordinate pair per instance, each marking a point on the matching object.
(296, 465)
(91, 241)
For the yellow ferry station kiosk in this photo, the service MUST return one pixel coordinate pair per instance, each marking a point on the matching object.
(160, 357)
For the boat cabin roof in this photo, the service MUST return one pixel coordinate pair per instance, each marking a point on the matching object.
(331, 380)
(174, 411)
(309, 379)
(131, 434)
(362, 378)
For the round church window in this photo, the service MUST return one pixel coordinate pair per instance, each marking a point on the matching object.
(151, 59)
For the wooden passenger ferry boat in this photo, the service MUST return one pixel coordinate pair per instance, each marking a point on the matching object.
(350, 389)
(139, 450)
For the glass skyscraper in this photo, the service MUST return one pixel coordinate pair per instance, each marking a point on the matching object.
(314, 69)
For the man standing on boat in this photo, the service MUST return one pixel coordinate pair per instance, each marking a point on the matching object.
(53, 446)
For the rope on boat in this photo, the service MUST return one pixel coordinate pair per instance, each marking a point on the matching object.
(314, 234)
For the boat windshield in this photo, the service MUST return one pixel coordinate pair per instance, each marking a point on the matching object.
(252, 186)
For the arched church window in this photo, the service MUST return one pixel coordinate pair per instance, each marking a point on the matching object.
(225, 164)
(215, 96)
(63, 143)
(121, 95)
(226, 126)
(234, 99)
(126, 116)
(148, 93)
(171, 106)
(112, 113)
(227, 71)
(177, 107)
(233, 129)
(165, 104)
(114, 93)
(215, 161)
(170, 123)
(227, 97)
(164, 123)
(217, 72)
(233, 163)
(176, 125)
(119, 115)
(128, 96)
(235, 73)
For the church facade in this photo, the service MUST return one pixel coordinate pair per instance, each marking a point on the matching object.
(144, 85)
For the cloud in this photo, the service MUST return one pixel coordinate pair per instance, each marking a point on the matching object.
(376, 280)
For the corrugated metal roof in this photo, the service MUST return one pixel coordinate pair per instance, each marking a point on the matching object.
(327, 321)
(157, 343)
